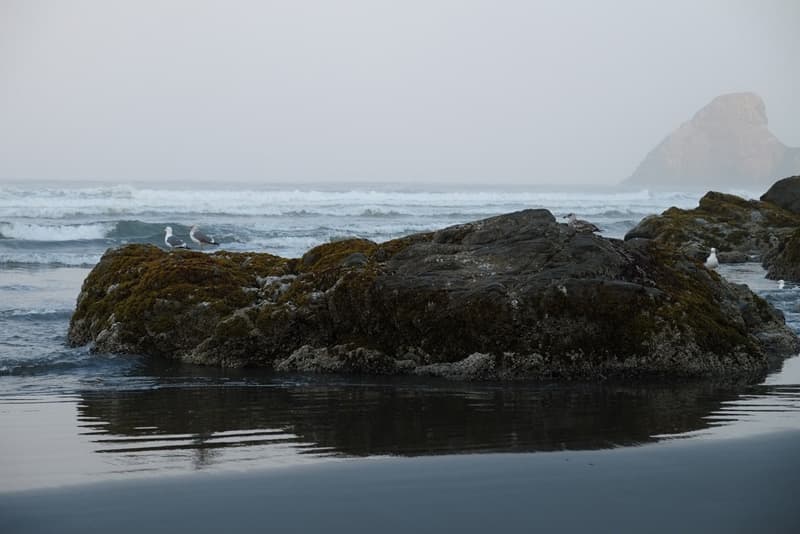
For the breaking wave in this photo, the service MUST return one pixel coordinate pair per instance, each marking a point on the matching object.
(54, 232)
(73, 227)
(127, 202)
(54, 259)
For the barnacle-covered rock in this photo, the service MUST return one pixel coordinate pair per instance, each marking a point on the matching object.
(513, 296)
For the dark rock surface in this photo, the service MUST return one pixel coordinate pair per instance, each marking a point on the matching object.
(785, 194)
(784, 262)
(514, 296)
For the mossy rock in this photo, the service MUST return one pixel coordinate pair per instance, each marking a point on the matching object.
(332, 255)
(784, 264)
(536, 298)
(738, 228)
(165, 299)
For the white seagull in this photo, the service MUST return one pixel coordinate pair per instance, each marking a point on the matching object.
(712, 262)
(781, 284)
(579, 225)
(200, 238)
(171, 241)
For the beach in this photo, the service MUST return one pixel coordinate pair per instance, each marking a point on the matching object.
(723, 485)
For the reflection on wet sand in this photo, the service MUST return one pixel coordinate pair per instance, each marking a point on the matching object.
(178, 419)
(357, 419)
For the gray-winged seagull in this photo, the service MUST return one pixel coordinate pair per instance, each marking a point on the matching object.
(579, 225)
(171, 241)
(200, 238)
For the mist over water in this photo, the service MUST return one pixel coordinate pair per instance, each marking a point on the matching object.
(461, 92)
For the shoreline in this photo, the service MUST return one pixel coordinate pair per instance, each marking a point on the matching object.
(712, 485)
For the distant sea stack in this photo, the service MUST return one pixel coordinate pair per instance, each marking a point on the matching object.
(726, 144)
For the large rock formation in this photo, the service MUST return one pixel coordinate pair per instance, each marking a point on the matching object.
(726, 144)
(741, 230)
(785, 194)
(784, 262)
(513, 296)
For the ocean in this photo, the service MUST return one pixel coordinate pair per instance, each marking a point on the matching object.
(72, 418)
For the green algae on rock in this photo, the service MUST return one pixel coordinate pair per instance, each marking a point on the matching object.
(513, 296)
(140, 299)
(741, 230)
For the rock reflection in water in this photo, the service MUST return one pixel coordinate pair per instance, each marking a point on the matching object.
(391, 418)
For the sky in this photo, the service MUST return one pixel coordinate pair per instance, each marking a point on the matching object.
(372, 91)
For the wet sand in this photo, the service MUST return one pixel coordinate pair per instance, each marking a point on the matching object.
(711, 485)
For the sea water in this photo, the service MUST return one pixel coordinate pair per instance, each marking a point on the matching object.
(68, 415)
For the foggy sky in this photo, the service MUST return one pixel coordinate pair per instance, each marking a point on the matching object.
(452, 91)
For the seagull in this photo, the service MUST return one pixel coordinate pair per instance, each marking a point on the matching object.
(171, 241)
(579, 225)
(712, 262)
(200, 238)
(781, 284)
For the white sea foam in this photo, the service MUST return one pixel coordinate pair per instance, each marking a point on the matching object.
(127, 201)
(54, 232)
(63, 259)
(287, 222)
(34, 312)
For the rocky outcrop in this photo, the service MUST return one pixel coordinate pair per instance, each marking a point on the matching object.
(741, 230)
(785, 194)
(783, 263)
(514, 296)
(726, 144)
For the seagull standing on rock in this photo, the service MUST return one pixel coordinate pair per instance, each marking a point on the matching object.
(171, 241)
(579, 225)
(712, 262)
(200, 238)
